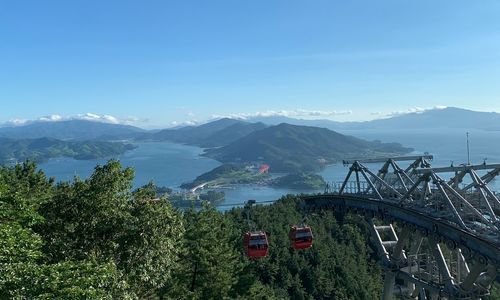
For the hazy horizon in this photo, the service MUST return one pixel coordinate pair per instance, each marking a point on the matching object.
(252, 117)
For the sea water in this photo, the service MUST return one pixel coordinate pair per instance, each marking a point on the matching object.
(169, 164)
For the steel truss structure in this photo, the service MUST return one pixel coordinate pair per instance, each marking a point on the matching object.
(436, 239)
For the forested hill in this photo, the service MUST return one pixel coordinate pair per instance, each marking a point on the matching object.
(292, 148)
(98, 239)
(42, 149)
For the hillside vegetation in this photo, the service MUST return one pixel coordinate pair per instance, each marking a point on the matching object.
(292, 148)
(42, 149)
(307, 181)
(98, 239)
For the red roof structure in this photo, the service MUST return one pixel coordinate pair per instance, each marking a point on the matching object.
(264, 168)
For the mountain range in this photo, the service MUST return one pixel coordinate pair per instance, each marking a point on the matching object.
(445, 118)
(290, 144)
(214, 134)
(219, 133)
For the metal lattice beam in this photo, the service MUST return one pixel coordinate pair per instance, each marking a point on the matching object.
(443, 230)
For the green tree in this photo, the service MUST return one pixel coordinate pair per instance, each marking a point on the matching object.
(80, 280)
(100, 219)
(495, 291)
(151, 242)
(22, 189)
(24, 273)
(19, 253)
(98, 239)
(87, 218)
(210, 264)
(338, 266)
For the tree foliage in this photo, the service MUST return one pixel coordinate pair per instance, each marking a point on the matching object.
(338, 266)
(210, 264)
(89, 238)
(99, 239)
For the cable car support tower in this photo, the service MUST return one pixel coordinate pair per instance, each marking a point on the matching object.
(436, 238)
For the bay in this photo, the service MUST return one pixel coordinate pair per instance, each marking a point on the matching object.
(170, 164)
(166, 164)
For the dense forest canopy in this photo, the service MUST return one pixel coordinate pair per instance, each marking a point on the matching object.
(99, 239)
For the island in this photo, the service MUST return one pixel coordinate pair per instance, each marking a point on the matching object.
(227, 174)
(213, 196)
(303, 181)
(186, 199)
(163, 191)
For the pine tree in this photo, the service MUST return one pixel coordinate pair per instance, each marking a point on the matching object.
(210, 264)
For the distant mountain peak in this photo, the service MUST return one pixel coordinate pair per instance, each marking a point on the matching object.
(437, 117)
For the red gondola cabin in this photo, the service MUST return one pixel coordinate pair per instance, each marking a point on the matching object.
(301, 237)
(256, 244)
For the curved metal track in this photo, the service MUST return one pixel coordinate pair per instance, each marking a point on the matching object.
(418, 221)
(435, 239)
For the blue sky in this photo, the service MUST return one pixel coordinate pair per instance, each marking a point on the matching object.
(157, 62)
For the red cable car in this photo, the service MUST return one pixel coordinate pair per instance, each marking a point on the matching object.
(301, 237)
(256, 244)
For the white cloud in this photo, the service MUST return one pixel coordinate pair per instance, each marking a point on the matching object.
(304, 113)
(87, 117)
(50, 118)
(414, 110)
(184, 123)
(99, 118)
(14, 122)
